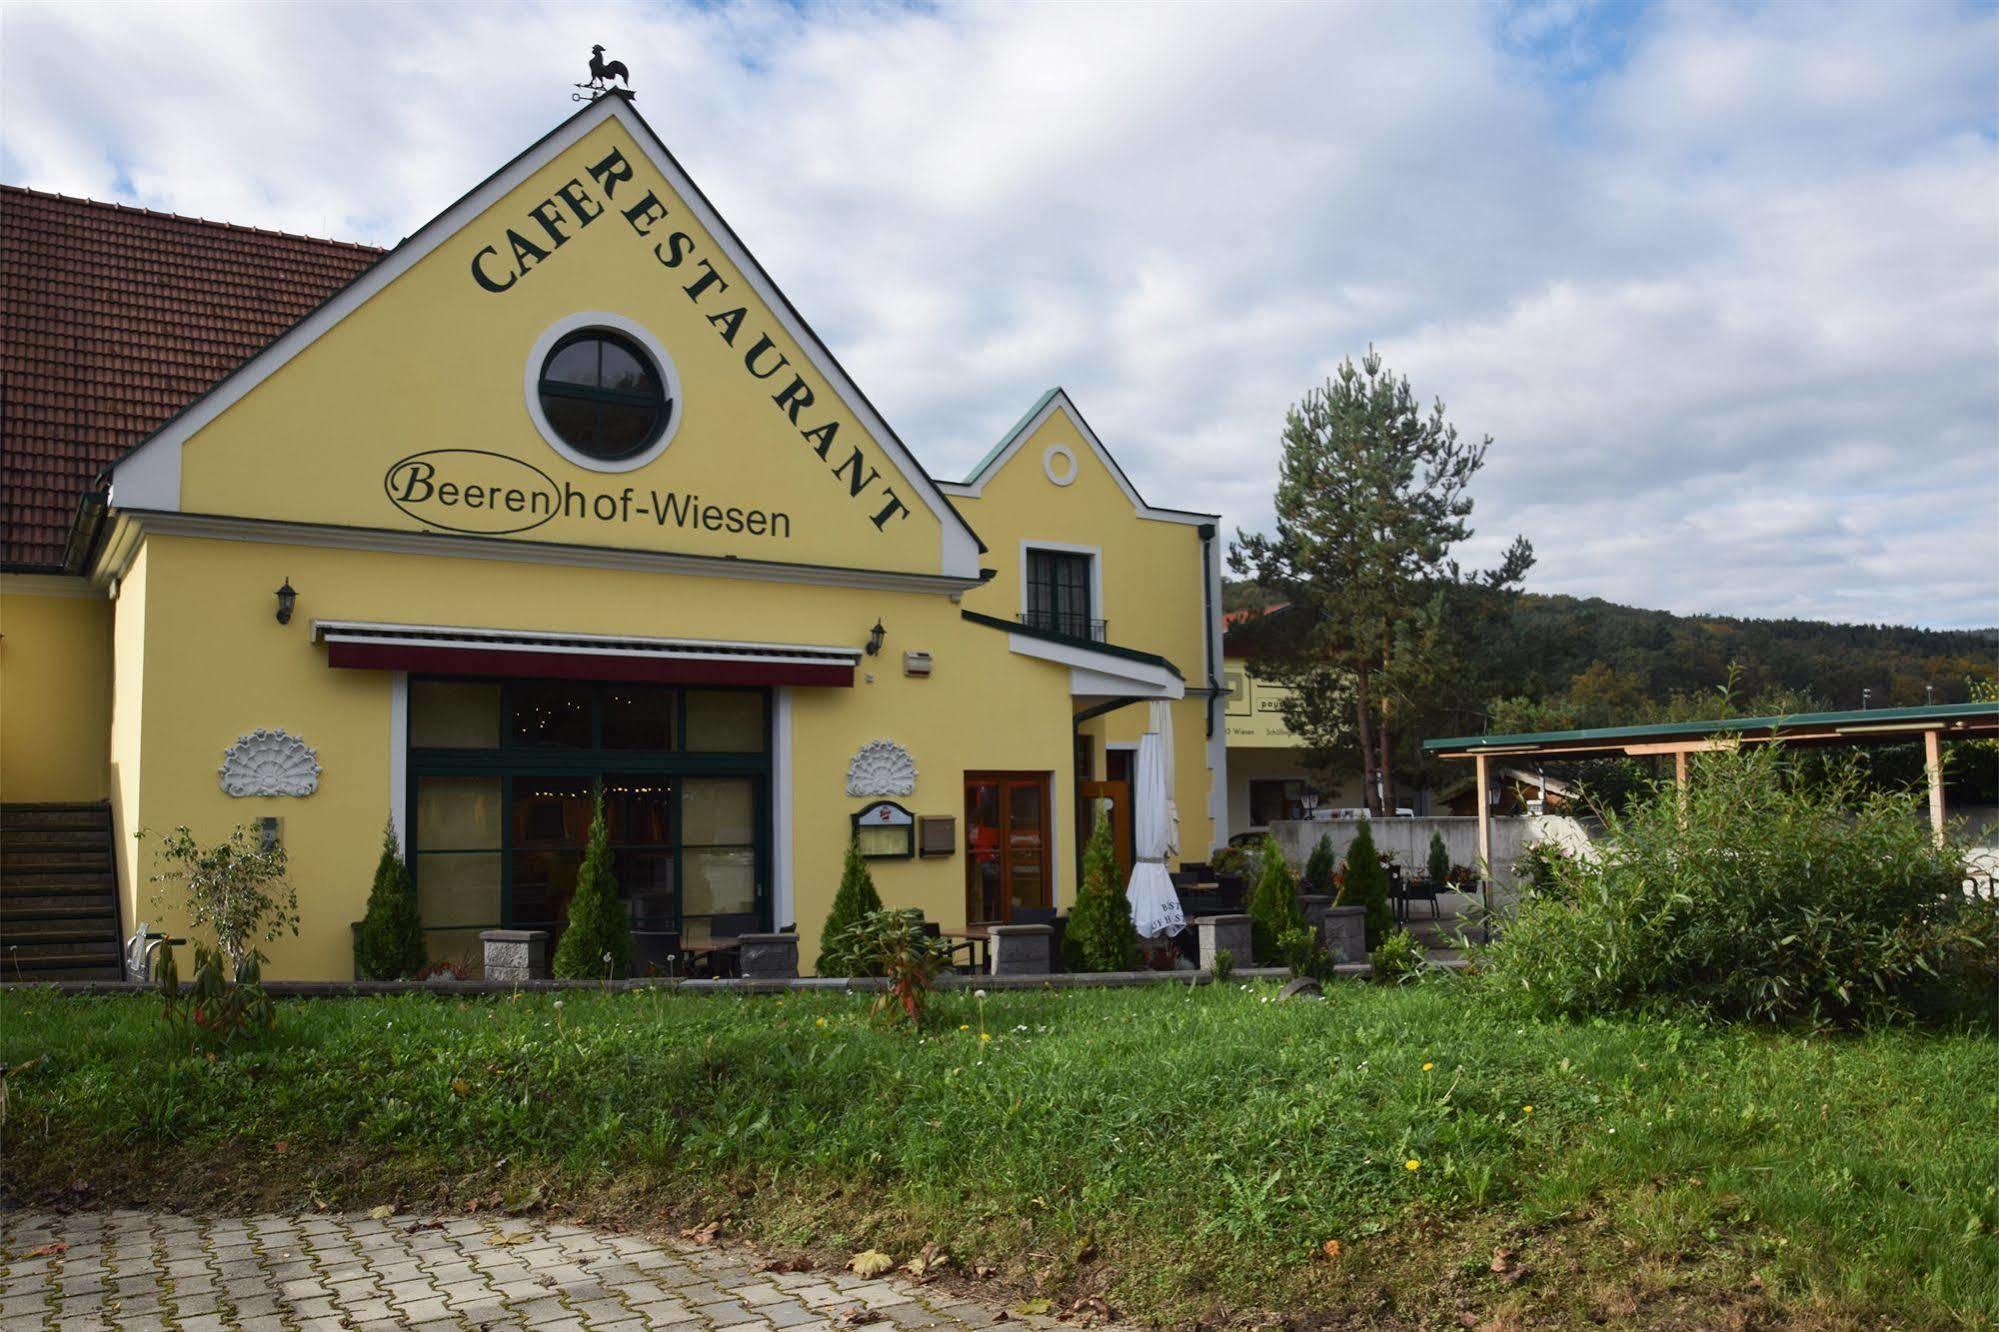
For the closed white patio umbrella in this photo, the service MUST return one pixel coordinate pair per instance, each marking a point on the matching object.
(1155, 907)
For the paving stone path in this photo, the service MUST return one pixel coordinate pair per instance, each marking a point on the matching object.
(136, 1270)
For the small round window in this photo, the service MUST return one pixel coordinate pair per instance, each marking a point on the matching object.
(602, 394)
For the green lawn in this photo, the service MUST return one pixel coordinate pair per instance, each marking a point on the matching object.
(1185, 1151)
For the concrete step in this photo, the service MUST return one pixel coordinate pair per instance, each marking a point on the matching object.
(72, 927)
(84, 971)
(18, 872)
(98, 905)
(83, 951)
(54, 816)
(43, 840)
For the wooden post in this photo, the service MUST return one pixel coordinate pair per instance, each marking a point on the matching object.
(1484, 819)
(1933, 761)
(1680, 782)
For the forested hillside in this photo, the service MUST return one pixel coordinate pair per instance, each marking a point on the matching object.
(1606, 664)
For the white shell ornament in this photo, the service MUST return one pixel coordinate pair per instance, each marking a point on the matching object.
(882, 767)
(270, 763)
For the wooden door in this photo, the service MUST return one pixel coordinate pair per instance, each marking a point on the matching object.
(1006, 846)
(1119, 796)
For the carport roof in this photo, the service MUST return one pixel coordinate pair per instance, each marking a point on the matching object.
(1869, 726)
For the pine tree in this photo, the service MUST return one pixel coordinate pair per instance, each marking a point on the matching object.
(1273, 907)
(856, 898)
(598, 924)
(1440, 860)
(1100, 936)
(1319, 868)
(1372, 494)
(1366, 884)
(389, 945)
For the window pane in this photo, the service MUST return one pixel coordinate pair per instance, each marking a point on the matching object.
(551, 811)
(725, 721)
(454, 714)
(645, 881)
(458, 813)
(574, 364)
(718, 811)
(551, 715)
(458, 889)
(544, 881)
(1027, 889)
(572, 419)
(461, 948)
(626, 428)
(639, 810)
(720, 881)
(638, 717)
(625, 373)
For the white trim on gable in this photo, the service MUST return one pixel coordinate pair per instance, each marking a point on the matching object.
(148, 477)
(974, 486)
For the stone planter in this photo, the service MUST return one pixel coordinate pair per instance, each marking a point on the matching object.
(769, 956)
(1344, 931)
(1225, 934)
(512, 956)
(1315, 906)
(1022, 950)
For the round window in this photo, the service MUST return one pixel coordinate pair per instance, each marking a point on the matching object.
(603, 395)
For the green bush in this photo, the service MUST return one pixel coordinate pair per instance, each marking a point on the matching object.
(1273, 907)
(1365, 884)
(1319, 868)
(1100, 936)
(1757, 895)
(856, 898)
(597, 944)
(1440, 860)
(893, 944)
(389, 945)
(1399, 958)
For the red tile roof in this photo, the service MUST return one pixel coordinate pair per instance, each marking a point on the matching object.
(112, 319)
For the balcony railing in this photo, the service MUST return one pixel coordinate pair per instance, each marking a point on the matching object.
(1069, 626)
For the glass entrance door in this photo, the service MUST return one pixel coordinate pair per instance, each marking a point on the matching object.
(1006, 846)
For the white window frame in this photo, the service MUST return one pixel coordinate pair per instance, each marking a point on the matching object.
(1096, 554)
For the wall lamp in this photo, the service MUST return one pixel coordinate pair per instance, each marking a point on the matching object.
(875, 637)
(287, 598)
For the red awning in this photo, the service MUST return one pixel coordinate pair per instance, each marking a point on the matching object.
(436, 650)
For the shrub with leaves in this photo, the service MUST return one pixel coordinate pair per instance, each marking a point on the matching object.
(1319, 868)
(389, 945)
(220, 1008)
(1399, 958)
(893, 944)
(597, 944)
(1758, 895)
(1101, 936)
(1365, 884)
(235, 888)
(1439, 860)
(855, 899)
(1273, 906)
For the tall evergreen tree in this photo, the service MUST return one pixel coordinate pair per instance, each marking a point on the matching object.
(389, 945)
(598, 924)
(1101, 936)
(1319, 868)
(1372, 494)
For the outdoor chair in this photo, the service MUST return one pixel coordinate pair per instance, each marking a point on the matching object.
(655, 952)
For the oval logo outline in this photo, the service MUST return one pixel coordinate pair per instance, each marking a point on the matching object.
(548, 486)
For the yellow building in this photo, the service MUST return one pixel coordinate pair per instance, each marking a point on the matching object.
(559, 494)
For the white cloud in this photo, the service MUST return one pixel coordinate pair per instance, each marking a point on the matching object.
(1723, 282)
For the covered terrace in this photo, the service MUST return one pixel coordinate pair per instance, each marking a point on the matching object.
(1933, 725)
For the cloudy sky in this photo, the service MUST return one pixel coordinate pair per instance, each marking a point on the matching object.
(1721, 281)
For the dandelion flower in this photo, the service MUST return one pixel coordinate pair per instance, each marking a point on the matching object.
(1526, 1109)
(978, 994)
(986, 1036)
(1412, 1164)
(822, 1022)
(964, 1026)
(1428, 1067)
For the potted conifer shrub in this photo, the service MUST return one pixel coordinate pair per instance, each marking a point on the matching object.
(1273, 907)
(856, 898)
(388, 943)
(1100, 936)
(1365, 884)
(597, 944)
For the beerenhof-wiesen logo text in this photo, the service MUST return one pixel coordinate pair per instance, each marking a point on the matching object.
(492, 494)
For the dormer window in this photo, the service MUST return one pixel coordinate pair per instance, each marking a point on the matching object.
(1059, 594)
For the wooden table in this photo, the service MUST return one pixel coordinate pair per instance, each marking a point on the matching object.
(708, 954)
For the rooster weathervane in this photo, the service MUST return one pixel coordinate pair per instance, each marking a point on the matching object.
(602, 74)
